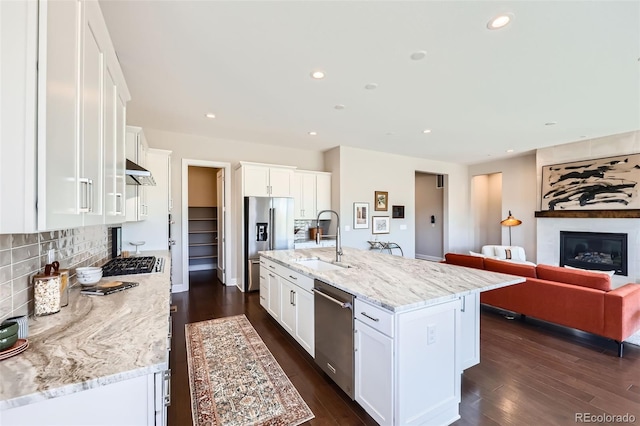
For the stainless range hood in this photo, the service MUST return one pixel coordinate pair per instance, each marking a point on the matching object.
(138, 175)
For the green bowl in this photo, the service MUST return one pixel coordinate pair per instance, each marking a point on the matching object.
(8, 341)
(8, 328)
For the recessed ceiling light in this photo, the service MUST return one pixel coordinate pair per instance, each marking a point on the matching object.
(371, 86)
(339, 106)
(210, 115)
(425, 131)
(510, 151)
(419, 55)
(583, 136)
(318, 75)
(500, 21)
(313, 133)
(551, 123)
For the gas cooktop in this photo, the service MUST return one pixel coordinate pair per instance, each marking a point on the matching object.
(133, 265)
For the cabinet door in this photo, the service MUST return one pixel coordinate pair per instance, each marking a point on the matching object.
(304, 329)
(297, 196)
(264, 288)
(18, 83)
(274, 295)
(280, 182)
(287, 304)
(323, 193)
(470, 331)
(308, 183)
(91, 123)
(121, 181)
(374, 372)
(256, 181)
(58, 142)
(143, 209)
(110, 150)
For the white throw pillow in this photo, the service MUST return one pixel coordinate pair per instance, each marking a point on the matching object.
(510, 253)
(610, 273)
(473, 253)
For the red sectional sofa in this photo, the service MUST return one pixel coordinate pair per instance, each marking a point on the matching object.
(573, 298)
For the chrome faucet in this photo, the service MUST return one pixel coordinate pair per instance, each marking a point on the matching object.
(338, 241)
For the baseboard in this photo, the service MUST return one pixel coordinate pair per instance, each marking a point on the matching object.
(231, 282)
(427, 257)
(179, 288)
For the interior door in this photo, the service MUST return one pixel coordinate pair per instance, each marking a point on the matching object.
(221, 220)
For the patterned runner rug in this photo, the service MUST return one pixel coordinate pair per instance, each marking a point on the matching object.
(235, 380)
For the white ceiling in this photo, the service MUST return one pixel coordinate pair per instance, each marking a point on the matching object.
(481, 92)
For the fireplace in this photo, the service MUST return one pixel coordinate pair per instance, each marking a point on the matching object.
(600, 251)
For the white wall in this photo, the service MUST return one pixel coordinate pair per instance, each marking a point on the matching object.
(548, 229)
(486, 209)
(363, 172)
(219, 150)
(518, 195)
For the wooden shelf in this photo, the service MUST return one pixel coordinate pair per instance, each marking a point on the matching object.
(203, 236)
(586, 214)
(210, 256)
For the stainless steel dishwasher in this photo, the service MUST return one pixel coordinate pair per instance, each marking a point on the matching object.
(334, 334)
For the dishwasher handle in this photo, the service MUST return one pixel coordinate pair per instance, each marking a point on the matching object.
(344, 305)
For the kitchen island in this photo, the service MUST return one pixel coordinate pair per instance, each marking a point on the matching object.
(100, 360)
(410, 320)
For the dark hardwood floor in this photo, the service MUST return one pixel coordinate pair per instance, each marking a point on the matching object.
(530, 373)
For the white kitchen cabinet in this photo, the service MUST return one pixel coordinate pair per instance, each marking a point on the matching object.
(18, 83)
(264, 180)
(470, 331)
(272, 286)
(80, 85)
(407, 365)
(374, 372)
(295, 307)
(154, 231)
(311, 194)
(135, 400)
(136, 150)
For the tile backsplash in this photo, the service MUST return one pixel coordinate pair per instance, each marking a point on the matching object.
(302, 228)
(24, 255)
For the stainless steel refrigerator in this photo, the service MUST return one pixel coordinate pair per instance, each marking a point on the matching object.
(268, 225)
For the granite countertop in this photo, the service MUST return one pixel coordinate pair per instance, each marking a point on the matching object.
(94, 341)
(393, 282)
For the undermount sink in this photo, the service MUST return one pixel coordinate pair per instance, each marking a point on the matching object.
(320, 265)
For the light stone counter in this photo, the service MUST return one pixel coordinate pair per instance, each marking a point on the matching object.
(94, 341)
(393, 282)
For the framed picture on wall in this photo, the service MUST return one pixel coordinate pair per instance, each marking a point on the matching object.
(360, 215)
(397, 212)
(381, 200)
(380, 225)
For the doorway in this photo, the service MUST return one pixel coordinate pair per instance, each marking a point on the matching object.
(430, 200)
(486, 207)
(206, 191)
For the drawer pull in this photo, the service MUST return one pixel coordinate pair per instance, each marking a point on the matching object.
(261, 277)
(370, 317)
(272, 267)
(292, 277)
(272, 276)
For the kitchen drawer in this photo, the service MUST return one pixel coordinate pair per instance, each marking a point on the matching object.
(264, 295)
(301, 280)
(374, 316)
(268, 265)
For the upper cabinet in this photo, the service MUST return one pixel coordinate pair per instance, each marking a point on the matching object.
(311, 193)
(265, 180)
(63, 96)
(136, 151)
(18, 83)
(81, 114)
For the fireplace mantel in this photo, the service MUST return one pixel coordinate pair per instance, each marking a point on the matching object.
(587, 214)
